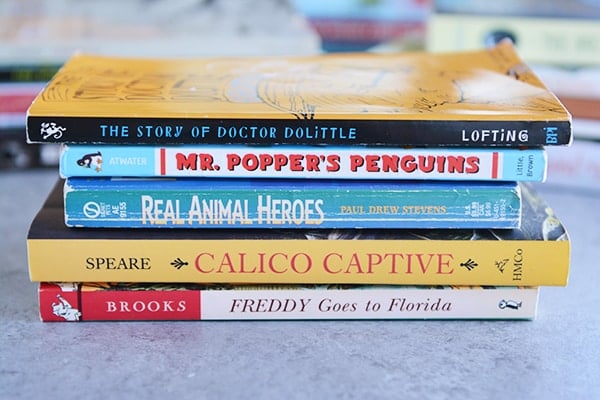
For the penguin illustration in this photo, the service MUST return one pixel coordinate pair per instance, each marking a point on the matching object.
(91, 160)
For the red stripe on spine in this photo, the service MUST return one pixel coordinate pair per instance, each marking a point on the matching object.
(495, 165)
(163, 167)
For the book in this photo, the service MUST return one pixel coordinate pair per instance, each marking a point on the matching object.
(536, 254)
(15, 153)
(488, 97)
(285, 203)
(358, 26)
(319, 162)
(539, 40)
(578, 88)
(578, 169)
(61, 302)
(584, 9)
(587, 129)
(15, 98)
(27, 72)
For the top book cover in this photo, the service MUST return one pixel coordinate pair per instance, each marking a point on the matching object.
(481, 98)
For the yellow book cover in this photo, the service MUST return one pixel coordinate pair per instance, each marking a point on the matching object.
(487, 97)
(569, 42)
(537, 254)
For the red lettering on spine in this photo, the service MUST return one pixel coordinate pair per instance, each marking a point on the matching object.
(333, 161)
(265, 161)
(183, 161)
(356, 162)
(390, 163)
(426, 163)
(233, 160)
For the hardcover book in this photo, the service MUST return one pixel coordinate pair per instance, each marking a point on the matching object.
(487, 97)
(60, 302)
(286, 203)
(319, 162)
(536, 254)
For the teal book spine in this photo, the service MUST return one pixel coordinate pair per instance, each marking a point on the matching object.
(318, 162)
(289, 203)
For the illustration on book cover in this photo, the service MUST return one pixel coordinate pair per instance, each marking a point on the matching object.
(320, 99)
(313, 87)
(62, 308)
(91, 161)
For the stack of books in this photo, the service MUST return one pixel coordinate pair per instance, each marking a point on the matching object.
(335, 186)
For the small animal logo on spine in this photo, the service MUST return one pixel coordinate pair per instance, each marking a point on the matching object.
(91, 160)
(50, 129)
(509, 304)
(65, 310)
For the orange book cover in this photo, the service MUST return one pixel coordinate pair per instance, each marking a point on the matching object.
(488, 97)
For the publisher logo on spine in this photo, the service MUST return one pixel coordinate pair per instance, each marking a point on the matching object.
(51, 130)
(92, 210)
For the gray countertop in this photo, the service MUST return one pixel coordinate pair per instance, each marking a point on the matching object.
(554, 356)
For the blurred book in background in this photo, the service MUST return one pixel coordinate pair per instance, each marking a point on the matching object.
(555, 32)
(359, 25)
(36, 37)
(578, 168)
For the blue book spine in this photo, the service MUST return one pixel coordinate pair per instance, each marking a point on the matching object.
(281, 203)
(319, 162)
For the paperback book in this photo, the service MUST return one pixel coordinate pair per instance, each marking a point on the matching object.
(536, 254)
(60, 302)
(287, 203)
(480, 98)
(319, 162)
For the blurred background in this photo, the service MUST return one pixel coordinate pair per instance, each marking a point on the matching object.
(560, 39)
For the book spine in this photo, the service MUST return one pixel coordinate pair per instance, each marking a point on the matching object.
(247, 203)
(340, 261)
(544, 40)
(15, 98)
(304, 162)
(579, 168)
(61, 303)
(177, 131)
(27, 72)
